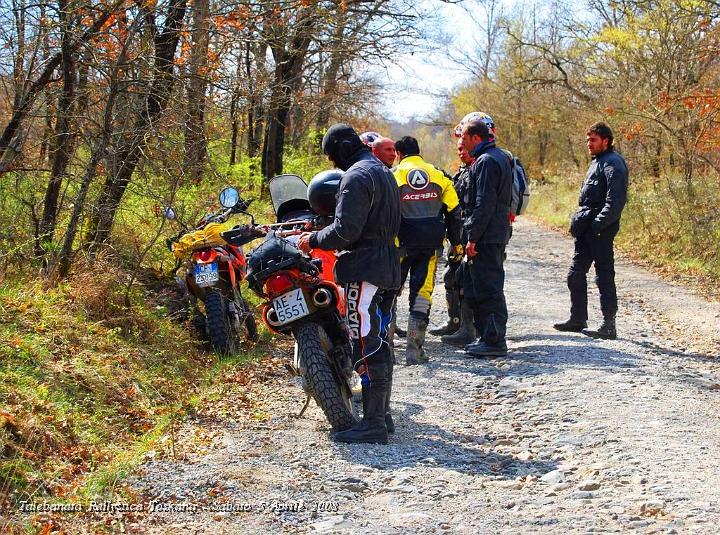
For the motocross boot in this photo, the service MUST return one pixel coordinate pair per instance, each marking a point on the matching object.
(453, 323)
(480, 348)
(466, 333)
(572, 325)
(372, 428)
(414, 353)
(606, 331)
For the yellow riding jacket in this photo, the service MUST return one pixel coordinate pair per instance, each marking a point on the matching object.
(428, 205)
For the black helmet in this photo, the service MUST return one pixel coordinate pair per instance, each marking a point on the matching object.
(322, 191)
(342, 144)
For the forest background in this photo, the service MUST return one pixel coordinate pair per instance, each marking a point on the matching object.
(113, 109)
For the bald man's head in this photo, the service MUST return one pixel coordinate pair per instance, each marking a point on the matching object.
(384, 150)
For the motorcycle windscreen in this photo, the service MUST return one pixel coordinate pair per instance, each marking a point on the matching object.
(286, 189)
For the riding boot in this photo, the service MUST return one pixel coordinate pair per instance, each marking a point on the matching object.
(372, 428)
(415, 339)
(572, 325)
(453, 323)
(606, 331)
(466, 333)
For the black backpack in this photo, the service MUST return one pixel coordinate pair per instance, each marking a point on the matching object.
(520, 187)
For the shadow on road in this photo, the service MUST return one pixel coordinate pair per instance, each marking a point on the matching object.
(421, 444)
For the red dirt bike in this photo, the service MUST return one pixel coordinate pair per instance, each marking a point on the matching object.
(303, 301)
(209, 270)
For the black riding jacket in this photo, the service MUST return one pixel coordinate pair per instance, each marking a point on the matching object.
(488, 195)
(367, 220)
(604, 192)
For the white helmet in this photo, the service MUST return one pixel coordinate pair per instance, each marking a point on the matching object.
(484, 117)
(369, 138)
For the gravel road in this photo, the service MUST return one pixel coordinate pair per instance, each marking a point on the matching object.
(566, 434)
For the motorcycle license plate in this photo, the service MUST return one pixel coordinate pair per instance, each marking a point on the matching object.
(206, 274)
(290, 306)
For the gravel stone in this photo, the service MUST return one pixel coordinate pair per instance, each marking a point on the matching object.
(564, 435)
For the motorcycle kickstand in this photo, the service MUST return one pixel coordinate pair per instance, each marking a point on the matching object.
(307, 403)
(292, 369)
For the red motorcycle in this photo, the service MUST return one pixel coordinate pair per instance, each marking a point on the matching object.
(210, 271)
(303, 301)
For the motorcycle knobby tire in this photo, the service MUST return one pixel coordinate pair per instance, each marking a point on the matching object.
(320, 377)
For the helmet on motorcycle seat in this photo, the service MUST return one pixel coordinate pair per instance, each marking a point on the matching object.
(322, 191)
(484, 117)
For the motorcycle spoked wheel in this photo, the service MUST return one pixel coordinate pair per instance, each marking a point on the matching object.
(219, 327)
(320, 377)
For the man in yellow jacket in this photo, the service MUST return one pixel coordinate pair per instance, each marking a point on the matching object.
(430, 209)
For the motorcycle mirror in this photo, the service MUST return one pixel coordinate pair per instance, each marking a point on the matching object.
(229, 197)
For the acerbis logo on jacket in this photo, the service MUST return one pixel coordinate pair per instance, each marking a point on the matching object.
(424, 194)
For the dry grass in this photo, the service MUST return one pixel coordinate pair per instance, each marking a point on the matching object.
(83, 378)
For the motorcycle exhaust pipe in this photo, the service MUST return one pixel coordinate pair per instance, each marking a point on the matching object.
(272, 318)
(322, 297)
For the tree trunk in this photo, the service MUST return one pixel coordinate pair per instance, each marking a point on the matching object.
(255, 107)
(195, 139)
(128, 155)
(64, 142)
(272, 160)
(289, 59)
(234, 128)
(330, 75)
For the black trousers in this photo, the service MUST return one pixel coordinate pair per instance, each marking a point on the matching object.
(453, 282)
(488, 284)
(369, 314)
(591, 249)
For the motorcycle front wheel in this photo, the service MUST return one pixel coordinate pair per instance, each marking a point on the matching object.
(320, 377)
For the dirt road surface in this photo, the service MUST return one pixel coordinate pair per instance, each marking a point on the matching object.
(565, 435)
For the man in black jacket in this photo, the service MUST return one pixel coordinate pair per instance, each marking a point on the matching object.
(594, 226)
(487, 203)
(367, 220)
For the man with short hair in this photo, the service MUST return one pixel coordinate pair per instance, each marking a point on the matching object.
(430, 210)
(367, 220)
(487, 201)
(594, 226)
(384, 150)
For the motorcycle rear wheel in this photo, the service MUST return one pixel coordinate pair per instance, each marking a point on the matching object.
(320, 377)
